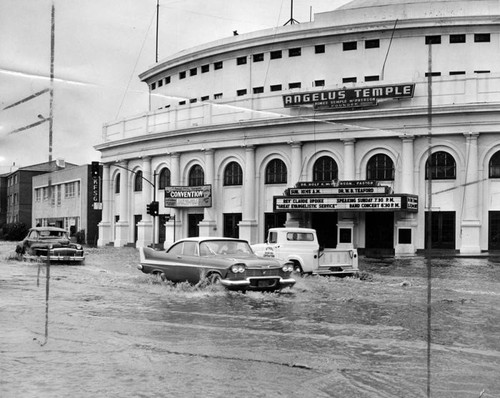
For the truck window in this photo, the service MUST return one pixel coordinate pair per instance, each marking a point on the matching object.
(273, 237)
(300, 236)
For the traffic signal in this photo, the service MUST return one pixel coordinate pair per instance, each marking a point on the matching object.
(155, 208)
(148, 208)
(95, 169)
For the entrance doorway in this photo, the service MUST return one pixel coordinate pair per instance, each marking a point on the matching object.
(231, 221)
(442, 230)
(273, 220)
(379, 233)
(193, 227)
(494, 230)
(325, 225)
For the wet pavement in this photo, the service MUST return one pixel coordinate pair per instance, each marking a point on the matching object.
(113, 331)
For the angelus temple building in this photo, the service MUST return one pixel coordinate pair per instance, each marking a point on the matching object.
(377, 124)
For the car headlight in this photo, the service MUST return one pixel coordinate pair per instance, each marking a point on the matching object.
(288, 267)
(237, 268)
(78, 247)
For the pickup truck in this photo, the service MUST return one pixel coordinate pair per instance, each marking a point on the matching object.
(300, 246)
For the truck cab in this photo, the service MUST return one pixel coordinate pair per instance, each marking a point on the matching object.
(300, 246)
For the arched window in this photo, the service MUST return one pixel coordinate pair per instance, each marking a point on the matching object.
(196, 176)
(276, 172)
(380, 167)
(495, 165)
(325, 169)
(441, 166)
(233, 174)
(117, 183)
(138, 181)
(164, 178)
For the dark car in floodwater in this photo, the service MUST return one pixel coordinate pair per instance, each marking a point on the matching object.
(50, 241)
(230, 262)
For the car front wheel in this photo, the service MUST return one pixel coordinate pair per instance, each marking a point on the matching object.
(214, 279)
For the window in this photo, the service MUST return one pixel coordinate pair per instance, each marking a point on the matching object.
(153, 86)
(164, 178)
(276, 172)
(138, 181)
(435, 39)
(205, 98)
(295, 52)
(276, 54)
(373, 78)
(349, 80)
(233, 174)
(241, 92)
(258, 57)
(182, 75)
(481, 37)
(457, 39)
(218, 65)
(373, 43)
(117, 184)
(481, 71)
(241, 60)
(182, 102)
(349, 45)
(160, 83)
(276, 87)
(205, 68)
(294, 85)
(167, 80)
(258, 90)
(325, 169)
(193, 100)
(495, 166)
(319, 83)
(69, 191)
(380, 167)
(440, 166)
(218, 96)
(427, 74)
(193, 72)
(457, 72)
(319, 49)
(38, 195)
(196, 176)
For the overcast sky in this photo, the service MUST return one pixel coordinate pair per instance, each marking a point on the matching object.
(101, 46)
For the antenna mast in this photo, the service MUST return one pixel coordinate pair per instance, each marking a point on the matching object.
(157, 22)
(291, 21)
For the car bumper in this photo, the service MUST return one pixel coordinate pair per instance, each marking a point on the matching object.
(258, 283)
(61, 258)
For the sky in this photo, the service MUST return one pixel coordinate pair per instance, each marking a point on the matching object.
(101, 46)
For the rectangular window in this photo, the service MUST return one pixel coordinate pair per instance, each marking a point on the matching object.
(258, 90)
(182, 75)
(205, 98)
(160, 83)
(294, 85)
(349, 80)
(167, 80)
(427, 74)
(218, 65)
(457, 38)
(218, 96)
(276, 54)
(276, 87)
(193, 72)
(457, 72)
(350, 45)
(182, 102)
(205, 68)
(258, 57)
(481, 37)
(319, 83)
(481, 71)
(38, 195)
(319, 49)
(241, 60)
(435, 39)
(372, 78)
(295, 52)
(193, 100)
(373, 43)
(153, 86)
(241, 92)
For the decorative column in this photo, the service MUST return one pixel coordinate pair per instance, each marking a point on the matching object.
(347, 220)
(105, 224)
(145, 226)
(123, 225)
(208, 227)
(349, 159)
(295, 219)
(406, 225)
(248, 224)
(471, 226)
(174, 225)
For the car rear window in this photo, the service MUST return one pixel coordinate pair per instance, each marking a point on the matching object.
(300, 236)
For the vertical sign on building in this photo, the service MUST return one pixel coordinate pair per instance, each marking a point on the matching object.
(96, 192)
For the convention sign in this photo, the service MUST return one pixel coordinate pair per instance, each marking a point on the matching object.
(180, 196)
(349, 97)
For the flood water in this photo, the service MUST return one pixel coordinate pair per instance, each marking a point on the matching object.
(113, 331)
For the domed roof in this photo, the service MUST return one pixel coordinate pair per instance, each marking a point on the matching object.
(366, 11)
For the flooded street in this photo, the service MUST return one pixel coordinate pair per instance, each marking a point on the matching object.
(116, 332)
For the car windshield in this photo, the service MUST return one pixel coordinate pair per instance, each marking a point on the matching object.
(53, 234)
(218, 247)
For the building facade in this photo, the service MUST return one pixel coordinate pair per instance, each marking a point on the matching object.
(69, 199)
(377, 123)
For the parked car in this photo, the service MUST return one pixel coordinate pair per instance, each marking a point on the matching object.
(50, 241)
(228, 261)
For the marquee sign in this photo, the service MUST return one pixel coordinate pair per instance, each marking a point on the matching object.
(198, 196)
(349, 97)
